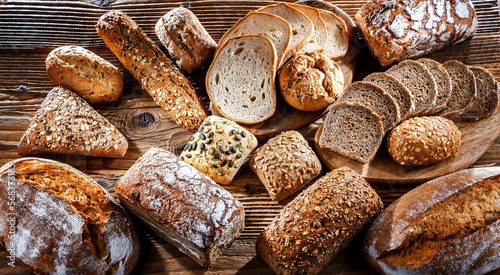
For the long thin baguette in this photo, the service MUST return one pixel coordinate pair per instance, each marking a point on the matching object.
(152, 68)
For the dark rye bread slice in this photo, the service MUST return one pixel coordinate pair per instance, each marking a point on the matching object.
(352, 130)
(443, 83)
(375, 98)
(463, 92)
(419, 82)
(487, 95)
(396, 89)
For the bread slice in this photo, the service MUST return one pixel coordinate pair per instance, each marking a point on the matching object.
(265, 24)
(337, 36)
(67, 124)
(352, 130)
(318, 41)
(486, 100)
(419, 81)
(443, 83)
(463, 92)
(241, 80)
(375, 98)
(302, 26)
(397, 90)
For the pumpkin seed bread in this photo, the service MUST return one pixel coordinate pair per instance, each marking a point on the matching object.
(486, 100)
(219, 148)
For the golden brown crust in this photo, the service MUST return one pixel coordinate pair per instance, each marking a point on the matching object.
(85, 73)
(152, 68)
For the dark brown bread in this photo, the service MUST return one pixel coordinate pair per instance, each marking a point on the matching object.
(449, 225)
(443, 82)
(313, 228)
(486, 100)
(152, 68)
(67, 124)
(66, 223)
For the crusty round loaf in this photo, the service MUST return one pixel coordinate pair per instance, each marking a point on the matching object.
(424, 140)
(311, 81)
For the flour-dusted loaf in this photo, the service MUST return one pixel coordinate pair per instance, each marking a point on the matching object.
(337, 36)
(464, 89)
(271, 26)
(443, 84)
(85, 73)
(241, 80)
(67, 124)
(402, 29)
(152, 68)
(285, 164)
(486, 100)
(319, 39)
(313, 228)
(449, 225)
(219, 148)
(65, 222)
(186, 40)
(359, 139)
(182, 205)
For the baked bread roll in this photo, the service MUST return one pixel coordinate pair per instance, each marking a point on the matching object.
(65, 222)
(219, 148)
(181, 205)
(313, 228)
(400, 29)
(186, 40)
(424, 140)
(285, 164)
(449, 225)
(310, 81)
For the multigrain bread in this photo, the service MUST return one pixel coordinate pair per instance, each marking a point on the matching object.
(449, 225)
(402, 29)
(318, 41)
(67, 124)
(152, 68)
(241, 80)
(375, 98)
(313, 228)
(285, 164)
(310, 81)
(486, 100)
(419, 81)
(443, 82)
(337, 36)
(463, 89)
(219, 148)
(397, 90)
(182, 205)
(85, 73)
(424, 140)
(359, 139)
(186, 40)
(65, 222)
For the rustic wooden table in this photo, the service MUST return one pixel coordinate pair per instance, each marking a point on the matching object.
(29, 30)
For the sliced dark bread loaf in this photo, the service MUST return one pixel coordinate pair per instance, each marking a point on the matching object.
(397, 90)
(419, 82)
(375, 98)
(443, 83)
(463, 89)
(352, 130)
(487, 95)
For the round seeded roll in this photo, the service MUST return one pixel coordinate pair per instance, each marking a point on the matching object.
(423, 140)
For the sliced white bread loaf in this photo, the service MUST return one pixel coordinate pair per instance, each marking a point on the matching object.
(265, 24)
(443, 83)
(241, 80)
(337, 36)
(302, 26)
(396, 89)
(318, 41)
(352, 130)
(487, 95)
(419, 81)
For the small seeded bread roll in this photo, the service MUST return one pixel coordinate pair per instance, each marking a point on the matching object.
(85, 73)
(424, 140)
(285, 164)
(219, 148)
(311, 82)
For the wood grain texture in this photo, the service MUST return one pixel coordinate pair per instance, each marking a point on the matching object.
(29, 30)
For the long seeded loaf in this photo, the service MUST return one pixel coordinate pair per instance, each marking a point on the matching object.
(318, 41)
(443, 83)
(337, 36)
(486, 100)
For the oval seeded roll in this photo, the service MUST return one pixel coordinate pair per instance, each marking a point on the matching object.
(424, 140)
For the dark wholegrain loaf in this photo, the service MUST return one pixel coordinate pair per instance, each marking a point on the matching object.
(443, 82)
(486, 100)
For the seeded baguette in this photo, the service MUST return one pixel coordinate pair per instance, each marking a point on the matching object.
(486, 100)
(152, 68)
(443, 82)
